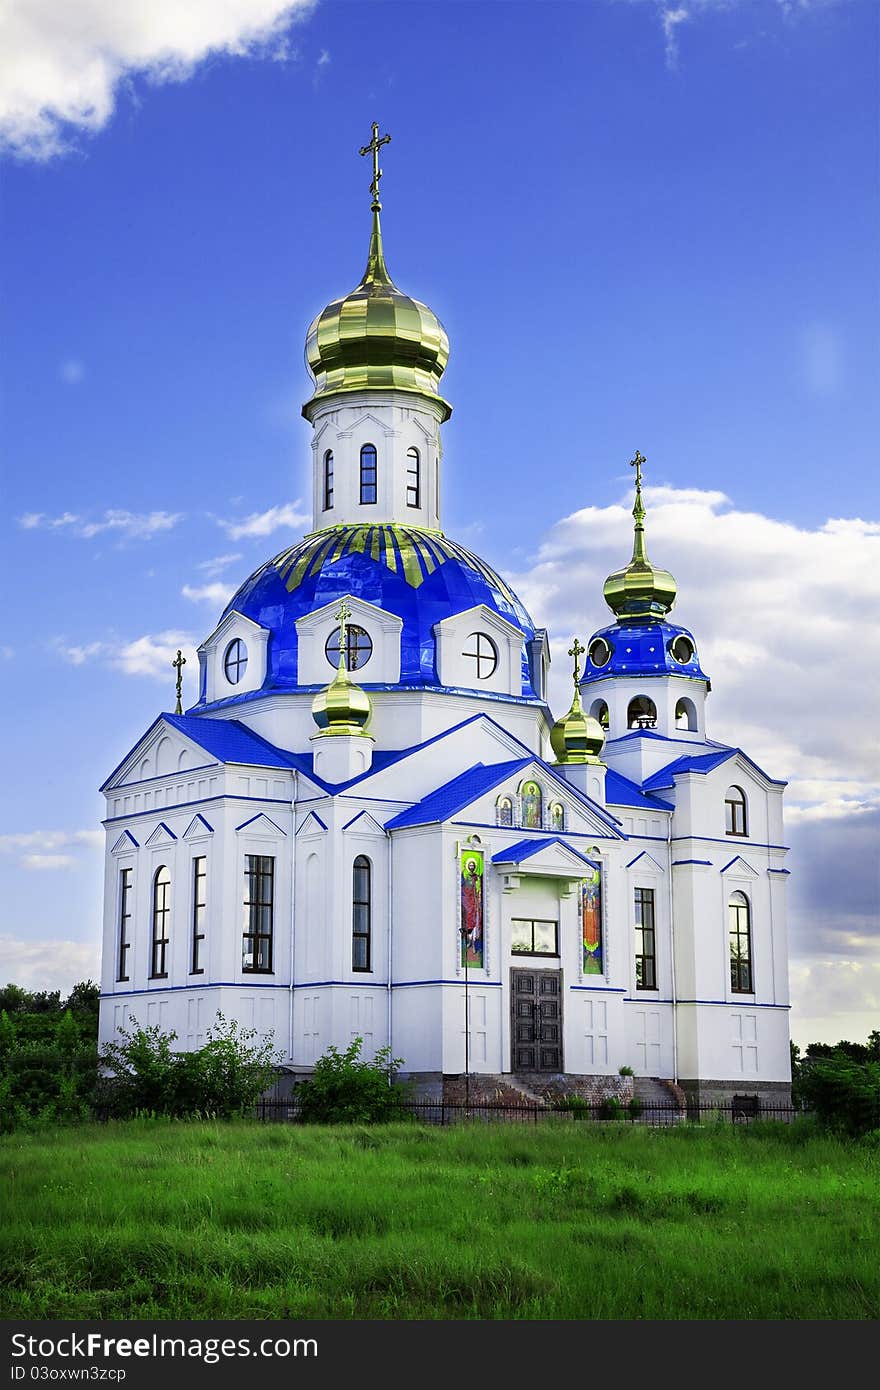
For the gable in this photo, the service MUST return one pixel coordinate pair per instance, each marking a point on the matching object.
(740, 867)
(162, 835)
(162, 751)
(125, 843)
(364, 824)
(646, 863)
(312, 825)
(414, 774)
(198, 828)
(260, 825)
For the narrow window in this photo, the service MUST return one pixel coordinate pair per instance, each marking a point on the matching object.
(504, 811)
(259, 899)
(740, 933)
(599, 710)
(641, 713)
(200, 901)
(413, 478)
(124, 922)
(161, 923)
(368, 473)
(328, 480)
(437, 488)
(735, 822)
(686, 715)
(646, 958)
(360, 914)
(531, 938)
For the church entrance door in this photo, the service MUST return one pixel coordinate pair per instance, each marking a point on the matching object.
(536, 1020)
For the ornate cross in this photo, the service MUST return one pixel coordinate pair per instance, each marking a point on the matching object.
(636, 463)
(375, 145)
(342, 615)
(576, 651)
(178, 665)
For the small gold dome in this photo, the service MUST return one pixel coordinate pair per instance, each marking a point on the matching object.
(577, 737)
(377, 338)
(640, 592)
(342, 707)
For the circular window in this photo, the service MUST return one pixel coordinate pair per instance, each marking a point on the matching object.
(235, 661)
(600, 651)
(358, 647)
(482, 650)
(681, 649)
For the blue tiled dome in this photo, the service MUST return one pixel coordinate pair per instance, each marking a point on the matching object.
(643, 649)
(421, 577)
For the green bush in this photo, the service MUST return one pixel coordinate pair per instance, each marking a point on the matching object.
(343, 1088)
(611, 1109)
(842, 1093)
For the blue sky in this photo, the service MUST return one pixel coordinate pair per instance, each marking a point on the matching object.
(644, 225)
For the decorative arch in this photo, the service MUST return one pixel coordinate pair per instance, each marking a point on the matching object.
(739, 930)
(557, 816)
(686, 714)
(736, 812)
(164, 756)
(641, 713)
(532, 804)
(504, 811)
(599, 710)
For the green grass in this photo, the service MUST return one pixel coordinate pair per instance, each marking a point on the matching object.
(157, 1219)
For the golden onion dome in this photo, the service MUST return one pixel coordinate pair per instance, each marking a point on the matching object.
(640, 592)
(577, 737)
(377, 338)
(342, 707)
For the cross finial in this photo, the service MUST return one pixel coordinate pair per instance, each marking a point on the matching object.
(179, 663)
(374, 146)
(636, 463)
(576, 650)
(342, 615)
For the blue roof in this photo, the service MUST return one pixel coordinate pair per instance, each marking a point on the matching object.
(439, 805)
(418, 576)
(227, 740)
(702, 763)
(642, 649)
(524, 849)
(620, 791)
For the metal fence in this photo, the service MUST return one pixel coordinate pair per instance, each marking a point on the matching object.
(656, 1115)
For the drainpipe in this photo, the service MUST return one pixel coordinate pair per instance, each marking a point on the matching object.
(672, 951)
(292, 919)
(388, 939)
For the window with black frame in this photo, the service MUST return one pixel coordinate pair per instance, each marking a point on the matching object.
(199, 911)
(368, 473)
(125, 915)
(740, 935)
(161, 923)
(259, 905)
(413, 478)
(529, 937)
(735, 818)
(328, 480)
(361, 909)
(646, 948)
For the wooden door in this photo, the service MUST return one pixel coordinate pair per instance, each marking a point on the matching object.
(536, 1020)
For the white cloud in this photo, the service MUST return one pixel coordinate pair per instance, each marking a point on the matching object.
(218, 564)
(48, 964)
(50, 850)
(152, 655)
(670, 20)
(218, 595)
(323, 58)
(79, 655)
(290, 514)
(129, 525)
(48, 861)
(72, 372)
(61, 65)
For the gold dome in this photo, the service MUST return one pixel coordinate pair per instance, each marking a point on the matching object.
(577, 737)
(640, 592)
(377, 338)
(342, 707)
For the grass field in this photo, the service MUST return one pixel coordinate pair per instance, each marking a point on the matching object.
(157, 1219)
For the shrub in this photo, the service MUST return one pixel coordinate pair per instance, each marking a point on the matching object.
(635, 1107)
(843, 1094)
(344, 1088)
(625, 1071)
(611, 1109)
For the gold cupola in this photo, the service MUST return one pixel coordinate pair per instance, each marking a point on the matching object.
(377, 338)
(577, 737)
(640, 592)
(342, 707)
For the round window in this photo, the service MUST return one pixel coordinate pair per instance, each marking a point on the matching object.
(681, 649)
(235, 661)
(482, 650)
(358, 647)
(600, 651)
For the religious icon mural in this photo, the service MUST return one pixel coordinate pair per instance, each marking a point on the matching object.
(471, 925)
(591, 922)
(531, 806)
(557, 816)
(504, 810)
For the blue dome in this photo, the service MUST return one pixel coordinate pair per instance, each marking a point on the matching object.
(422, 577)
(642, 649)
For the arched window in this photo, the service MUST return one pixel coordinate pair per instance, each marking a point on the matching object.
(161, 923)
(641, 713)
(361, 906)
(735, 819)
(557, 816)
(686, 714)
(328, 480)
(504, 811)
(483, 652)
(532, 806)
(368, 473)
(740, 933)
(599, 710)
(413, 478)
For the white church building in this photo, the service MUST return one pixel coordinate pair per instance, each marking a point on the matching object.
(370, 824)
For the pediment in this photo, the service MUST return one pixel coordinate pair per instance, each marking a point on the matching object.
(162, 752)
(365, 824)
(646, 863)
(740, 867)
(363, 613)
(162, 835)
(260, 825)
(125, 843)
(553, 858)
(483, 617)
(368, 418)
(312, 825)
(198, 828)
(234, 622)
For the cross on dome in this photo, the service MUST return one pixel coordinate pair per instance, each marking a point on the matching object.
(178, 663)
(577, 651)
(374, 146)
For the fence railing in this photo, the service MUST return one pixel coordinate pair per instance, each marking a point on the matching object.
(656, 1114)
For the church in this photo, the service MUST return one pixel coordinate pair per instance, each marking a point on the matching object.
(370, 824)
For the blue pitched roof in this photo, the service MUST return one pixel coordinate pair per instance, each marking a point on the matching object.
(439, 805)
(524, 849)
(620, 791)
(690, 762)
(227, 740)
